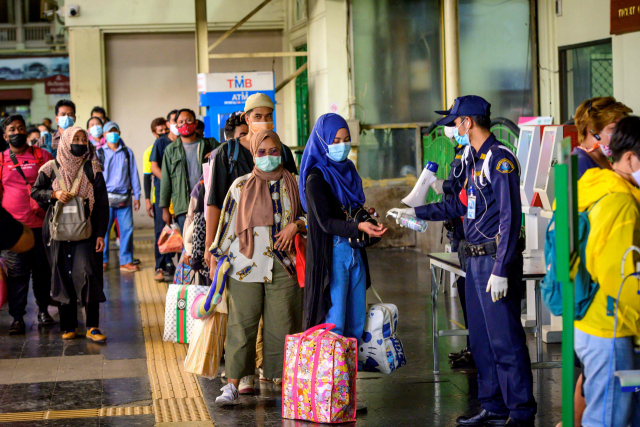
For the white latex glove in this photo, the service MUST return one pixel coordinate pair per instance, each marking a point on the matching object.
(498, 287)
(437, 186)
(399, 211)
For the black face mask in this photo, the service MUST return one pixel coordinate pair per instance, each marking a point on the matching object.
(163, 134)
(79, 150)
(18, 140)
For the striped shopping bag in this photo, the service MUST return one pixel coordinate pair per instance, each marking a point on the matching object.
(178, 322)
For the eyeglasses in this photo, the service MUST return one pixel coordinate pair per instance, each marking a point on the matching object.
(272, 152)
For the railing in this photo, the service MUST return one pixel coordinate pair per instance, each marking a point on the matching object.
(32, 35)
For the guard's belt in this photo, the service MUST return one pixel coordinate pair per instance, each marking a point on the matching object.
(489, 248)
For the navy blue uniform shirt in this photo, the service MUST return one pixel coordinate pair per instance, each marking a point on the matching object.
(498, 205)
(585, 162)
(157, 153)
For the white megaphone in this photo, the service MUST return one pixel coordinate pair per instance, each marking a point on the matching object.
(418, 195)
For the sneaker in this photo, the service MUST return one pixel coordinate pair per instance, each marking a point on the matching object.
(129, 267)
(277, 381)
(246, 385)
(229, 396)
(70, 335)
(18, 327)
(159, 277)
(95, 335)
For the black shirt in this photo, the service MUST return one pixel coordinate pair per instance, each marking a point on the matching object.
(221, 179)
(11, 230)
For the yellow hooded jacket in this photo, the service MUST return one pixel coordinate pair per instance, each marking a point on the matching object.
(615, 225)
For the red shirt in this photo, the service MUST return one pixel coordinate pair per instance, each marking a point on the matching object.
(15, 196)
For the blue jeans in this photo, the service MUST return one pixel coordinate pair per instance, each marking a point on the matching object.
(125, 222)
(348, 289)
(180, 219)
(595, 353)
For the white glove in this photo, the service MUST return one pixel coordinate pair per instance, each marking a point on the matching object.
(397, 212)
(437, 186)
(498, 287)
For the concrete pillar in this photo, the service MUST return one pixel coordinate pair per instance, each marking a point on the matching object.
(328, 58)
(451, 51)
(87, 71)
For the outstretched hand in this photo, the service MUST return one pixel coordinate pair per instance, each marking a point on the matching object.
(372, 230)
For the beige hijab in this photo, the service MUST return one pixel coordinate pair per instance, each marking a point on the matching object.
(254, 207)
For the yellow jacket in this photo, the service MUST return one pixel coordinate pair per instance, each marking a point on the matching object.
(615, 225)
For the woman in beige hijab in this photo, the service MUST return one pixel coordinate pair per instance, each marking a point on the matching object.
(259, 221)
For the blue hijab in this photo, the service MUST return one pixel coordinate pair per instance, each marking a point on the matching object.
(341, 176)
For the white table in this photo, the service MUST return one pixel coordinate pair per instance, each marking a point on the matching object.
(533, 269)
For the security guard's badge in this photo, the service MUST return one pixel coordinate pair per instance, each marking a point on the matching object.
(471, 203)
(505, 166)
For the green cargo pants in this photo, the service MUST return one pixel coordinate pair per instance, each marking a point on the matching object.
(280, 304)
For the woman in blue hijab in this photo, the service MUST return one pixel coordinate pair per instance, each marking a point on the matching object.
(336, 275)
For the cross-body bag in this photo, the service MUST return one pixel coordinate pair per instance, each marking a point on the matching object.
(69, 221)
(118, 200)
(358, 215)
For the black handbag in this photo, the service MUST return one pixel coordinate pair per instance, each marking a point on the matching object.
(358, 215)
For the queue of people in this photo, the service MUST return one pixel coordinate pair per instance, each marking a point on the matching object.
(254, 204)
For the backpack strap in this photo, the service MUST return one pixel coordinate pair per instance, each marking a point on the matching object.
(59, 177)
(100, 155)
(232, 152)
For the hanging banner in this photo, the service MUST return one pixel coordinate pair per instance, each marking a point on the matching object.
(33, 68)
(625, 16)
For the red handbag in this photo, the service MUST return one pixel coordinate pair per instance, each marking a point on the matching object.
(301, 255)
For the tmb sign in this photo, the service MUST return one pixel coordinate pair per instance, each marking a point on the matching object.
(625, 16)
(57, 85)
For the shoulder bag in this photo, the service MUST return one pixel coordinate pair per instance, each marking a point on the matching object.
(69, 220)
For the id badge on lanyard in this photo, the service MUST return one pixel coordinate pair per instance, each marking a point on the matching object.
(471, 203)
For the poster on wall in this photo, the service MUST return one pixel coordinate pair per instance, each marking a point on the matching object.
(33, 68)
(625, 16)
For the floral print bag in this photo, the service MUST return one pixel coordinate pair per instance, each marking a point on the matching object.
(319, 376)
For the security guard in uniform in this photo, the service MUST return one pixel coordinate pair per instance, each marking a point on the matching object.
(450, 189)
(492, 220)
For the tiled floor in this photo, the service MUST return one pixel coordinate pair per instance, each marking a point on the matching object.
(41, 372)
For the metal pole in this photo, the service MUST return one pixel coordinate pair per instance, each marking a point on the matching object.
(451, 51)
(238, 25)
(566, 229)
(434, 320)
(292, 77)
(202, 55)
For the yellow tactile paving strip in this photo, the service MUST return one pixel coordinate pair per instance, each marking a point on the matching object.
(176, 394)
(81, 413)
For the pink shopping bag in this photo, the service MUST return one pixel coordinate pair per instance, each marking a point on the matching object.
(319, 376)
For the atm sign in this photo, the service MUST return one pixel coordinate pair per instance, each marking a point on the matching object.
(260, 81)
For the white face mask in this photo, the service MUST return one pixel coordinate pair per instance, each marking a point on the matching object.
(174, 129)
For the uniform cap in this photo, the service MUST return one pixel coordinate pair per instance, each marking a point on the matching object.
(470, 105)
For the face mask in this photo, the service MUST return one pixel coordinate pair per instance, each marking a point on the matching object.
(113, 138)
(267, 163)
(448, 131)
(174, 129)
(339, 152)
(258, 126)
(65, 121)
(162, 134)
(18, 140)
(44, 132)
(96, 131)
(187, 129)
(79, 150)
(461, 139)
(606, 150)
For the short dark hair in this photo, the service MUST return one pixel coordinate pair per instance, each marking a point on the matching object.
(236, 119)
(100, 110)
(172, 112)
(159, 121)
(10, 119)
(94, 118)
(66, 103)
(47, 118)
(186, 110)
(32, 129)
(483, 122)
(626, 137)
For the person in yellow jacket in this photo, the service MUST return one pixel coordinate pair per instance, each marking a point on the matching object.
(614, 199)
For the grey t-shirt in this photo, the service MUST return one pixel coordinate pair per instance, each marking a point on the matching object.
(193, 163)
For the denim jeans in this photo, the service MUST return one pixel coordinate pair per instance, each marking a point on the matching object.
(348, 289)
(125, 223)
(595, 354)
